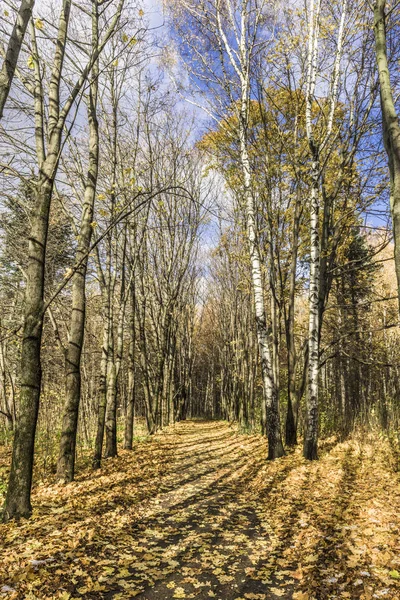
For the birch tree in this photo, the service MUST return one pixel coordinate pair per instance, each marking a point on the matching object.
(235, 34)
(242, 68)
(316, 145)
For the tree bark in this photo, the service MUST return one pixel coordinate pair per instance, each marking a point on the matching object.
(115, 360)
(293, 398)
(111, 412)
(130, 406)
(102, 392)
(275, 446)
(391, 127)
(66, 459)
(311, 421)
(310, 445)
(19, 487)
(13, 50)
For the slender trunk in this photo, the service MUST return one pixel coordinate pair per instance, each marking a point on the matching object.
(148, 390)
(275, 321)
(275, 446)
(19, 488)
(66, 459)
(150, 419)
(112, 384)
(171, 384)
(391, 127)
(4, 403)
(310, 449)
(111, 412)
(102, 392)
(13, 50)
(130, 407)
(293, 401)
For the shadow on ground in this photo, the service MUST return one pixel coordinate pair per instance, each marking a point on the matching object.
(198, 512)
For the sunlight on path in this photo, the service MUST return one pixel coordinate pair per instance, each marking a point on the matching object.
(197, 512)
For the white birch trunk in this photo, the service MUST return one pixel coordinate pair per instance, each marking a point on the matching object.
(311, 419)
(275, 446)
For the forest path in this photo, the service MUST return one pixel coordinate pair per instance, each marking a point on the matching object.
(198, 512)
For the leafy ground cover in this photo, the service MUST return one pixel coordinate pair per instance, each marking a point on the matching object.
(198, 512)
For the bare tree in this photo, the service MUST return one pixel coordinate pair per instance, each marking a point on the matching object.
(66, 460)
(235, 32)
(316, 145)
(19, 488)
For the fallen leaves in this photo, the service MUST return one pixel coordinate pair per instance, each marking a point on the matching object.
(199, 512)
(395, 574)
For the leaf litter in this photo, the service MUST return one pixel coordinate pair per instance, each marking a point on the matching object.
(198, 512)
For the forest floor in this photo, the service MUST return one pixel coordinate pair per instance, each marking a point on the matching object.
(198, 512)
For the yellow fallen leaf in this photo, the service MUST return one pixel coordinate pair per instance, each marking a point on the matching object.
(300, 596)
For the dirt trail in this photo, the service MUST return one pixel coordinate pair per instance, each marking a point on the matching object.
(198, 512)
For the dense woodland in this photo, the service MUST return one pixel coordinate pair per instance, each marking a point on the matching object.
(200, 222)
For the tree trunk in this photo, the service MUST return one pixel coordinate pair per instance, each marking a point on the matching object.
(111, 413)
(275, 446)
(102, 393)
(13, 50)
(19, 487)
(391, 128)
(130, 407)
(293, 401)
(66, 459)
(115, 355)
(310, 449)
